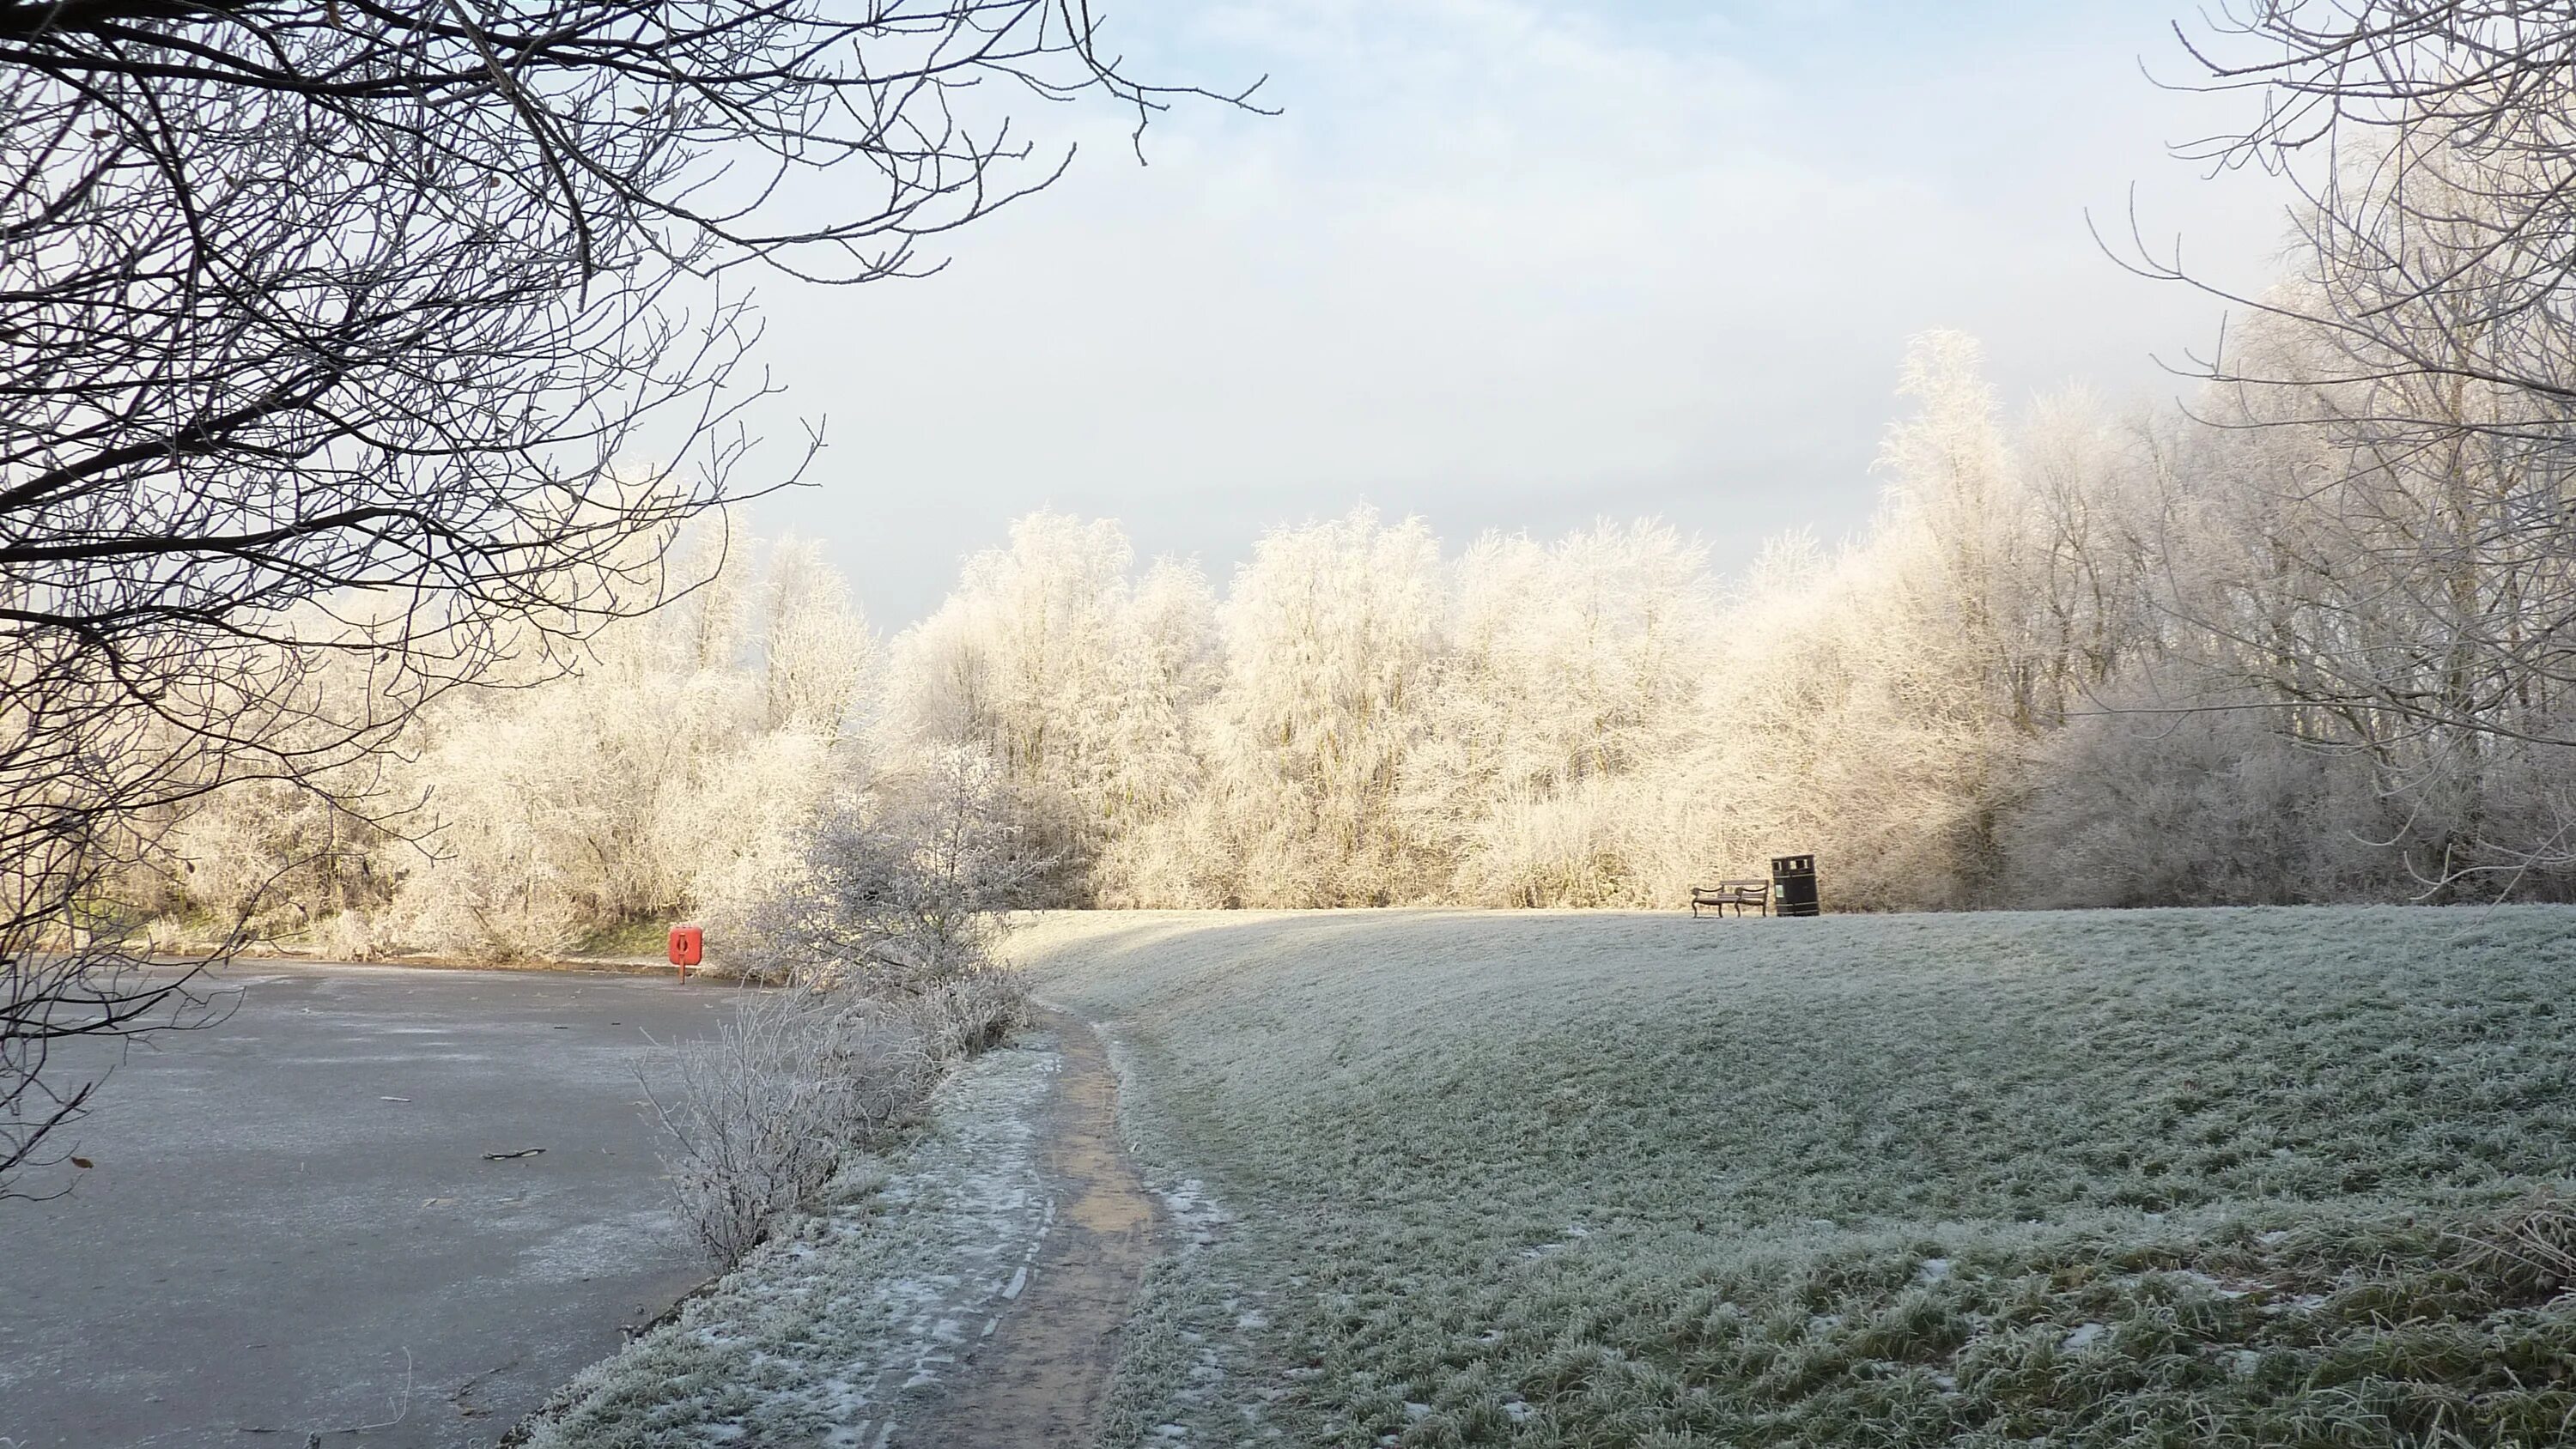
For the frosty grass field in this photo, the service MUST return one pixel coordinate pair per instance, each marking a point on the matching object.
(2170, 1177)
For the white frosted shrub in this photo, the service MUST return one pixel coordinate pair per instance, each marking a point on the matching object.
(899, 898)
(2210, 808)
(757, 1118)
(971, 1012)
(881, 945)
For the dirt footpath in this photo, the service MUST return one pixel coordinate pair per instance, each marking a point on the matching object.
(1039, 1380)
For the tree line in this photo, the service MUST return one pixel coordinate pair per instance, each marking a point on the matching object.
(2080, 657)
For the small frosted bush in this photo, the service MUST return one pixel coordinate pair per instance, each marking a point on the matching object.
(971, 1013)
(762, 1114)
(881, 950)
(905, 900)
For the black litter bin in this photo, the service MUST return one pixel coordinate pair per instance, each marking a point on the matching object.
(1793, 885)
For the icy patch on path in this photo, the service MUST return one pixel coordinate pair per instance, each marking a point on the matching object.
(1193, 1349)
(841, 1326)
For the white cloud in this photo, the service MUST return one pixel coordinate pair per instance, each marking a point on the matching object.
(1500, 263)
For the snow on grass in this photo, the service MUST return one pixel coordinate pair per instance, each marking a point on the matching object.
(852, 1317)
(2247, 1176)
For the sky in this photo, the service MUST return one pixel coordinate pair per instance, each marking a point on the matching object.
(1513, 266)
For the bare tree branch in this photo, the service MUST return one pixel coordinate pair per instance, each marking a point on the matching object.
(335, 337)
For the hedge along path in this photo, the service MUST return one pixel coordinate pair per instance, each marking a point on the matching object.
(1040, 1374)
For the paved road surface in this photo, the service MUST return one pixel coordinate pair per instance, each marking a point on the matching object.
(269, 1249)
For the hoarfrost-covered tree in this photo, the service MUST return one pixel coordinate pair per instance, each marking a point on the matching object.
(2097, 514)
(1956, 548)
(880, 933)
(1872, 701)
(1076, 681)
(1886, 704)
(904, 896)
(815, 648)
(1173, 671)
(1834, 724)
(1330, 634)
(669, 773)
(2077, 659)
(2422, 360)
(1570, 678)
(649, 782)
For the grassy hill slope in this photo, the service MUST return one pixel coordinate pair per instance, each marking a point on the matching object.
(2174, 1177)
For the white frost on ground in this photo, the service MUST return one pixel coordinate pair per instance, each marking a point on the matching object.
(1195, 1214)
(851, 1318)
(1192, 1354)
(1998, 1134)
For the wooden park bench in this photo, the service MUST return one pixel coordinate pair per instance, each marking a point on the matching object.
(1736, 893)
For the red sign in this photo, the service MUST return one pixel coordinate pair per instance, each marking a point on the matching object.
(688, 947)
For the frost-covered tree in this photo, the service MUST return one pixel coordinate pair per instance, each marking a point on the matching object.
(1330, 635)
(815, 648)
(669, 774)
(1569, 684)
(2075, 659)
(2410, 586)
(1075, 680)
(1867, 703)
(879, 934)
(904, 894)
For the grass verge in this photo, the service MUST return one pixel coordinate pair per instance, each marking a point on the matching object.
(850, 1317)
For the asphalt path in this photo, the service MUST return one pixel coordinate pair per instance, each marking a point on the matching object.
(292, 1228)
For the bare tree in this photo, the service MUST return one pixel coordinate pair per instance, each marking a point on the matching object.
(2432, 149)
(2404, 582)
(330, 334)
